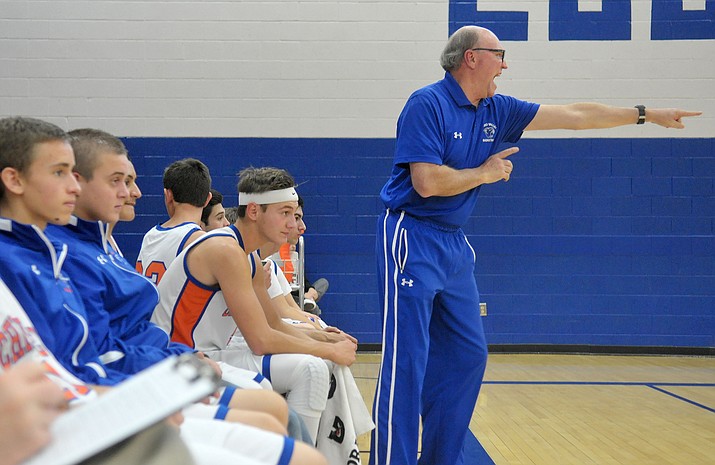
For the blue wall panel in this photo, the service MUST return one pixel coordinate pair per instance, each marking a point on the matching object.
(593, 241)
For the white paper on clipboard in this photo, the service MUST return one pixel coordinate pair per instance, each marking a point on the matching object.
(141, 401)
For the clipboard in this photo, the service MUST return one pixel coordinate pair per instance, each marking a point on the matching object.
(133, 405)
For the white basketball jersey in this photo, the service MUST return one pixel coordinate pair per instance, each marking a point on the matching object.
(160, 247)
(192, 313)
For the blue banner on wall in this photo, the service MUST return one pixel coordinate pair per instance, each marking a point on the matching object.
(669, 21)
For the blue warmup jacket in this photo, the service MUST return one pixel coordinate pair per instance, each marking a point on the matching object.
(31, 266)
(118, 300)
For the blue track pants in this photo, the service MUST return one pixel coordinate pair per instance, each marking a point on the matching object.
(434, 351)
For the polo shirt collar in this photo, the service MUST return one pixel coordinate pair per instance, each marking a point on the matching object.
(458, 94)
(455, 91)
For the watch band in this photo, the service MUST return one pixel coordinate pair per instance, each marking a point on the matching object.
(641, 114)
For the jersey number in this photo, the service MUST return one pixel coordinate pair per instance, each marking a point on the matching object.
(155, 271)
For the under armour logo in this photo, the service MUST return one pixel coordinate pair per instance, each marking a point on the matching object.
(457, 135)
(406, 282)
(102, 259)
(35, 270)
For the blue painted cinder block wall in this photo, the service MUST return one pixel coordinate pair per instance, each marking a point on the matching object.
(592, 241)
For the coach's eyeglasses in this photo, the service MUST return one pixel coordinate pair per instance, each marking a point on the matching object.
(500, 52)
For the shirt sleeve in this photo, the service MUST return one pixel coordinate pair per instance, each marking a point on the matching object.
(420, 133)
(520, 113)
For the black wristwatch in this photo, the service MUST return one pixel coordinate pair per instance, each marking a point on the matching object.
(641, 114)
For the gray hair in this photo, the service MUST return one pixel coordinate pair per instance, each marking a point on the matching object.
(462, 40)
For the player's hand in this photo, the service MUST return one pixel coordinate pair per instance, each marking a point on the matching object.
(333, 329)
(175, 419)
(342, 352)
(497, 167)
(668, 117)
(29, 403)
(267, 271)
(331, 337)
(210, 363)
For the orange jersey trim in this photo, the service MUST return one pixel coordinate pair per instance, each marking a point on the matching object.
(188, 311)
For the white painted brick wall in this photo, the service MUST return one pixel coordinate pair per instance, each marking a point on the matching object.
(310, 68)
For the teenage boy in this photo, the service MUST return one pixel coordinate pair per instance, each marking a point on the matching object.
(285, 257)
(128, 212)
(213, 216)
(117, 300)
(187, 185)
(213, 300)
(280, 289)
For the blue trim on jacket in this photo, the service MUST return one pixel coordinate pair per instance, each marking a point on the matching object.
(118, 300)
(31, 266)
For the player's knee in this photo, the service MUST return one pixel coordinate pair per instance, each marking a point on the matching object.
(314, 371)
(278, 407)
(303, 454)
(270, 423)
(260, 420)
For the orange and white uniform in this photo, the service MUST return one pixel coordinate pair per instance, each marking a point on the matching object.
(191, 312)
(160, 247)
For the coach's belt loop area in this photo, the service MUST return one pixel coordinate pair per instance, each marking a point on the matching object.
(428, 222)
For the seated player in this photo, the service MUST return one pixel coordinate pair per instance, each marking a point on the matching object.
(187, 185)
(213, 216)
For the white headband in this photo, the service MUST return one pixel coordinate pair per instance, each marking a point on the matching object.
(268, 197)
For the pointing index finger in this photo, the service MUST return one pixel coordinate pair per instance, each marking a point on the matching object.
(507, 152)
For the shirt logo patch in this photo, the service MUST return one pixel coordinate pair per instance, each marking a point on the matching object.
(457, 135)
(226, 313)
(407, 282)
(35, 270)
(489, 130)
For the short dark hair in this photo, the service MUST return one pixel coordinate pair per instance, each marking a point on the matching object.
(87, 143)
(189, 181)
(257, 180)
(18, 137)
(216, 198)
(231, 214)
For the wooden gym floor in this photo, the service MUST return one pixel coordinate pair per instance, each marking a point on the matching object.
(587, 409)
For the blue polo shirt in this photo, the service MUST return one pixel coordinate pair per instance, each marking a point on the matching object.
(440, 125)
